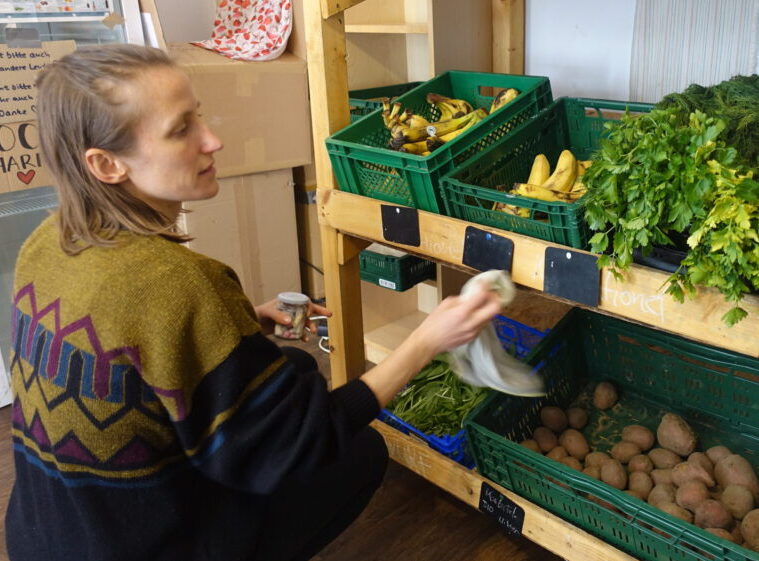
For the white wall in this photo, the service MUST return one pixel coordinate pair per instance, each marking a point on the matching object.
(583, 46)
(186, 20)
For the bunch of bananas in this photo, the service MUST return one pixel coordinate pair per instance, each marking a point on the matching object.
(414, 134)
(564, 185)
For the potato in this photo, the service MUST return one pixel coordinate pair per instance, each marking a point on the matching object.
(577, 417)
(660, 476)
(703, 460)
(624, 451)
(663, 458)
(691, 494)
(712, 514)
(572, 462)
(593, 471)
(574, 443)
(721, 533)
(662, 493)
(554, 418)
(737, 534)
(531, 444)
(641, 482)
(605, 395)
(596, 458)
(675, 434)
(545, 438)
(641, 462)
(750, 529)
(614, 474)
(676, 511)
(716, 453)
(640, 435)
(738, 500)
(735, 469)
(636, 494)
(557, 453)
(688, 471)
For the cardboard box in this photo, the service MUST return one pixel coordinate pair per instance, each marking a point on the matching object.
(250, 225)
(260, 110)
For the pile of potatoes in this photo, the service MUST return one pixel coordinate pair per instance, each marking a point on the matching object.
(715, 489)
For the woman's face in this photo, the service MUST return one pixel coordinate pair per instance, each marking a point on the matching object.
(172, 159)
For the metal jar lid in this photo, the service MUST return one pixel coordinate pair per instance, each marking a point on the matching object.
(293, 298)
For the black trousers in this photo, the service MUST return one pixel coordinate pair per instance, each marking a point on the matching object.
(306, 514)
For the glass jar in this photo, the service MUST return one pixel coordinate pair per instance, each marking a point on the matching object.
(295, 305)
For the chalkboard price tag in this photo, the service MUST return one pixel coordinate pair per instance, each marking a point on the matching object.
(572, 275)
(484, 251)
(508, 514)
(400, 224)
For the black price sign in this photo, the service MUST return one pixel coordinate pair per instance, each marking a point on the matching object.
(400, 224)
(572, 275)
(508, 514)
(484, 251)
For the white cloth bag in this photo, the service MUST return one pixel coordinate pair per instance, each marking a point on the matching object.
(483, 362)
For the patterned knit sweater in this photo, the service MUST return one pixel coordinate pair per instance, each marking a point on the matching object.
(151, 417)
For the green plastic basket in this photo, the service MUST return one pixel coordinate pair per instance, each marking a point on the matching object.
(395, 273)
(363, 102)
(363, 163)
(717, 391)
(470, 190)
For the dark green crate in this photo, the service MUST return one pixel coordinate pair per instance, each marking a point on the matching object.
(470, 190)
(395, 273)
(363, 163)
(363, 102)
(717, 391)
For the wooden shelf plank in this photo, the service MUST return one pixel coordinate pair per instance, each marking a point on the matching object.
(639, 296)
(331, 7)
(380, 342)
(400, 28)
(540, 526)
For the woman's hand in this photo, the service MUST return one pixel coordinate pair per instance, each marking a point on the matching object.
(269, 315)
(457, 321)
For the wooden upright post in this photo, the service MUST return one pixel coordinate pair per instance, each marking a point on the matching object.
(508, 36)
(328, 83)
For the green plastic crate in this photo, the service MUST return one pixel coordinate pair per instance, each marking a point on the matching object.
(717, 391)
(363, 163)
(363, 102)
(469, 191)
(395, 273)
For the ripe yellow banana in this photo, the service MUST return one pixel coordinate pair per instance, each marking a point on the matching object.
(582, 167)
(442, 128)
(449, 107)
(540, 193)
(415, 120)
(541, 170)
(503, 98)
(414, 147)
(565, 173)
(512, 209)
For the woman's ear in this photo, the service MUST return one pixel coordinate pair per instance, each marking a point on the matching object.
(105, 166)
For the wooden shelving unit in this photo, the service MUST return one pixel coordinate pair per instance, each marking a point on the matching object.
(348, 223)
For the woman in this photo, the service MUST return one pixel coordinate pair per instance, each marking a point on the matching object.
(152, 417)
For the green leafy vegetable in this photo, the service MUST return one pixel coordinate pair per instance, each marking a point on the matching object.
(436, 401)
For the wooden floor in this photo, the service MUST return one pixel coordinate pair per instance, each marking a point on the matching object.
(408, 518)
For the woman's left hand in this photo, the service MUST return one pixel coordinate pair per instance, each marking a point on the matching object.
(269, 315)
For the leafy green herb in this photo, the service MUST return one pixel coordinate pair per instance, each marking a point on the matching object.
(649, 179)
(725, 244)
(436, 401)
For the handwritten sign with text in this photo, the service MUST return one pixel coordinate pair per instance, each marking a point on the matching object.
(508, 514)
(18, 71)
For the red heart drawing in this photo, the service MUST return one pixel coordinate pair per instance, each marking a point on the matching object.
(26, 178)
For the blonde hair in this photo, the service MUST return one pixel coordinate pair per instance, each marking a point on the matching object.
(81, 105)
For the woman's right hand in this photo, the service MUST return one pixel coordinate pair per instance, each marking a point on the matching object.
(456, 321)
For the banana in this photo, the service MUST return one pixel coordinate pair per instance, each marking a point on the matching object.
(442, 128)
(414, 147)
(503, 98)
(536, 192)
(408, 134)
(565, 173)
(582, 167)
(541, 170)
(433, 143)
(511, 209)
(415, 120)
(449, 107)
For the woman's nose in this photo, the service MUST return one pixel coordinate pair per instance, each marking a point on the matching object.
(211, 142)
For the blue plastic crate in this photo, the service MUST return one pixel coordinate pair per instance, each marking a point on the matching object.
(518, 339)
